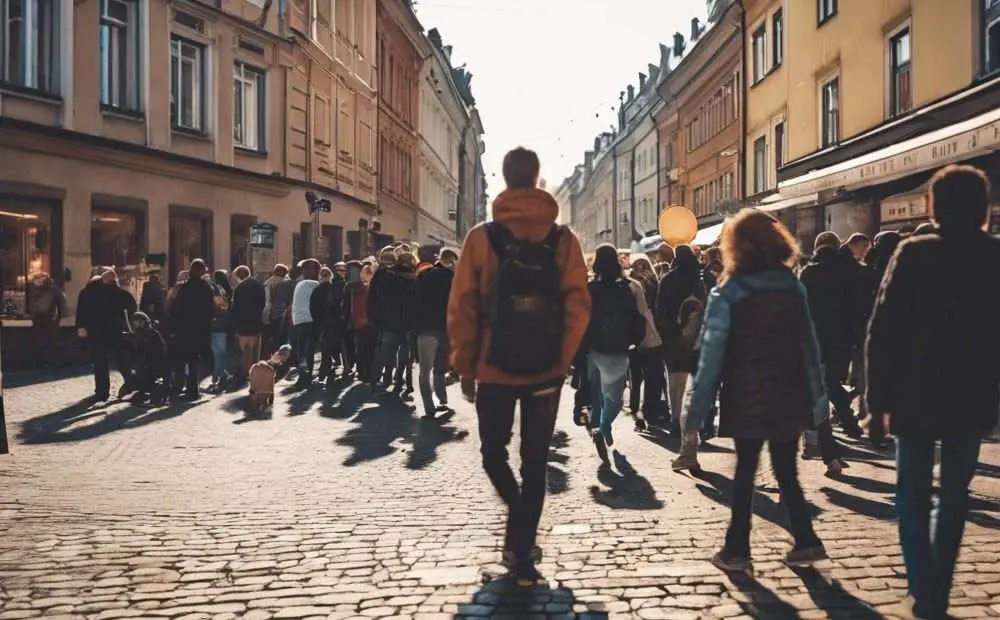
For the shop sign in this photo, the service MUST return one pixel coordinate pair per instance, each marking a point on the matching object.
(263, 256)
(911, 208)
(965, 145)
(262, 235)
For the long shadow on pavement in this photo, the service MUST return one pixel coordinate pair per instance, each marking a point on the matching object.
(719, 489)
(627, 489)
(832, 598)
(502, 598)
(763, 602)
(673, 443)
(431, 433)
(557, 478)
(64, 425)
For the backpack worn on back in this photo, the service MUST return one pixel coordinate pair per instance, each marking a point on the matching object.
(359, 307)
(615, 324)
(689, 319)
(527, 303)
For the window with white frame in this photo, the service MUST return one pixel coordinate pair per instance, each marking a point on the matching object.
(120, 55)
(830, 112)
(759, 53)
(187, 84)
(29, 44)
(777, 38)
(759, 165)
(900, 72)
(825, 10)
(249, 107)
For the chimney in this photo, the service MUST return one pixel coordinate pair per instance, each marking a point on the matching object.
(631, 92)
(678, 44)
(696, 29)
(597, 144)
(642, 81)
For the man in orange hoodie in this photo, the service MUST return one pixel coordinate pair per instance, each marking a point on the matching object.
(515, 327)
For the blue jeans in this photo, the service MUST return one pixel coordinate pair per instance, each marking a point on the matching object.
(303, 337)
(220, 355)
(607, 384)
(392, 346)
(930, 549)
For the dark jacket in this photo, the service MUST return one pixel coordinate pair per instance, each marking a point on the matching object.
(682, 281)
(835, 283)
(933, 347)
(103, 310)
(153, 301)
(391, 297)
(327, 306)
(191, 316)
(433, 290)
(759, 344)
(248, 308)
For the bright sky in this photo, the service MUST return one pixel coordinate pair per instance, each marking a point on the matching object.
(546, 73)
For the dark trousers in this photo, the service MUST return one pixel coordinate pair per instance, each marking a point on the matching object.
(304, 346)
(495, 408)
(365, 342)
(329, 356)
(392, 347)
(836, 363)
(783, 460)
(646, 366)
(275, 334)
(187, 369)
(101, 352)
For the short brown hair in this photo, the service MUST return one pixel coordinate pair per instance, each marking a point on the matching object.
(753, 241)
(960, 197)
(521, 168)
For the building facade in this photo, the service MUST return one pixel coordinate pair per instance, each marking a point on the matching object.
(442, 117)
(594, 195)
(471, 179)
(700, 123)
(873, 101)
(154, 132)
(402, 51)
(645, 185)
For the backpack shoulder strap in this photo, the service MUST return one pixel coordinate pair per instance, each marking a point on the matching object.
(499, 236)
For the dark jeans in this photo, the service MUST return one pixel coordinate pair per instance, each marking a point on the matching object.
(836, 363)
(303, 338)
(392, 347)
(646, 365)
(783, 460)
(101, 350)
(330, 351)
(829, 449)
(930, 556)
(188, 369)
(495, 408)
(364, 343)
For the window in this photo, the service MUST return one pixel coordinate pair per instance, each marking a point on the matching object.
(187, 84)
(321, 120)
(825, 9)
(900, 93)
(249, 97)
(759, 53)
(26, 250)
(29, 44)
(759, 165)
(777, 38)
(117, 237)
(831, 113)
(779, 145)
(120, 54)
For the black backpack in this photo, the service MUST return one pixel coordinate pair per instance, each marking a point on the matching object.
(615, 324)
(527, 303)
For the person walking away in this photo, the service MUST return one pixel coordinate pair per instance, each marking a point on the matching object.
(679, 307)
(276, 303)
(855, 248)
(152, 301)
(617, 324)
(407, 355)
(759, 343)
(517, 314)
(883, 248)
(249, 299)
(934, 372)
(304, 327)
(47, 306)
(431, 314)
(835, 286)
(352, 281)
(102, 315)
(389, 301)
(221, 331)
(646, 360)
(328, 304)
(191, 317)
(363, 336)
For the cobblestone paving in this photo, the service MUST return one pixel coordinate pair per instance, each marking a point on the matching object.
(342, 508)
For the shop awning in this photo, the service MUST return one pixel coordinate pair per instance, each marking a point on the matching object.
(709, 235)
(777, 202)
(971, 138)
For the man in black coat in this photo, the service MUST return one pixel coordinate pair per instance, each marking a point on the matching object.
(835, 283)
(247, 314)
(431, 310)
(191, 325)
(934, 372)
(102, 318)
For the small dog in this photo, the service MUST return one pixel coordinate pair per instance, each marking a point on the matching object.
(262, 378)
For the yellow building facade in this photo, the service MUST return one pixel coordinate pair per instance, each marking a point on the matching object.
(832, 84)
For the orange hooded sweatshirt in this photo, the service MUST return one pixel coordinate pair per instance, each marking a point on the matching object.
(529, 214)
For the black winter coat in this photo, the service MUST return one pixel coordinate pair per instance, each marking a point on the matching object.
(390, 299)
(104, 310)
(248, 307)
(836, 283)
(933, 346)
(431, 307)
(191, 317)
(683, 280)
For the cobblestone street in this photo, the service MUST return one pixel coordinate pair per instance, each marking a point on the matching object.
(339, 508)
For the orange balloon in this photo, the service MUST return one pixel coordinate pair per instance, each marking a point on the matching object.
(678, 225)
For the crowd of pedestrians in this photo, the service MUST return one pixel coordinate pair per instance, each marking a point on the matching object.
(747, 340)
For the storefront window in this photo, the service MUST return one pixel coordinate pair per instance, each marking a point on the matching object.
(25, 250)
(117, 239)
(189, 237)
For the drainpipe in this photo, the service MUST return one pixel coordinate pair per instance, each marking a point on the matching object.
(744, 91)
(614, 195)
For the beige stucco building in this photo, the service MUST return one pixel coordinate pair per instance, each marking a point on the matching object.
(202, 122)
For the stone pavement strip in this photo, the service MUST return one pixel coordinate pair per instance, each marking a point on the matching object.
(341, 508)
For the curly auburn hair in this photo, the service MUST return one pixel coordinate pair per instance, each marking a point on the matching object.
(753, 241)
